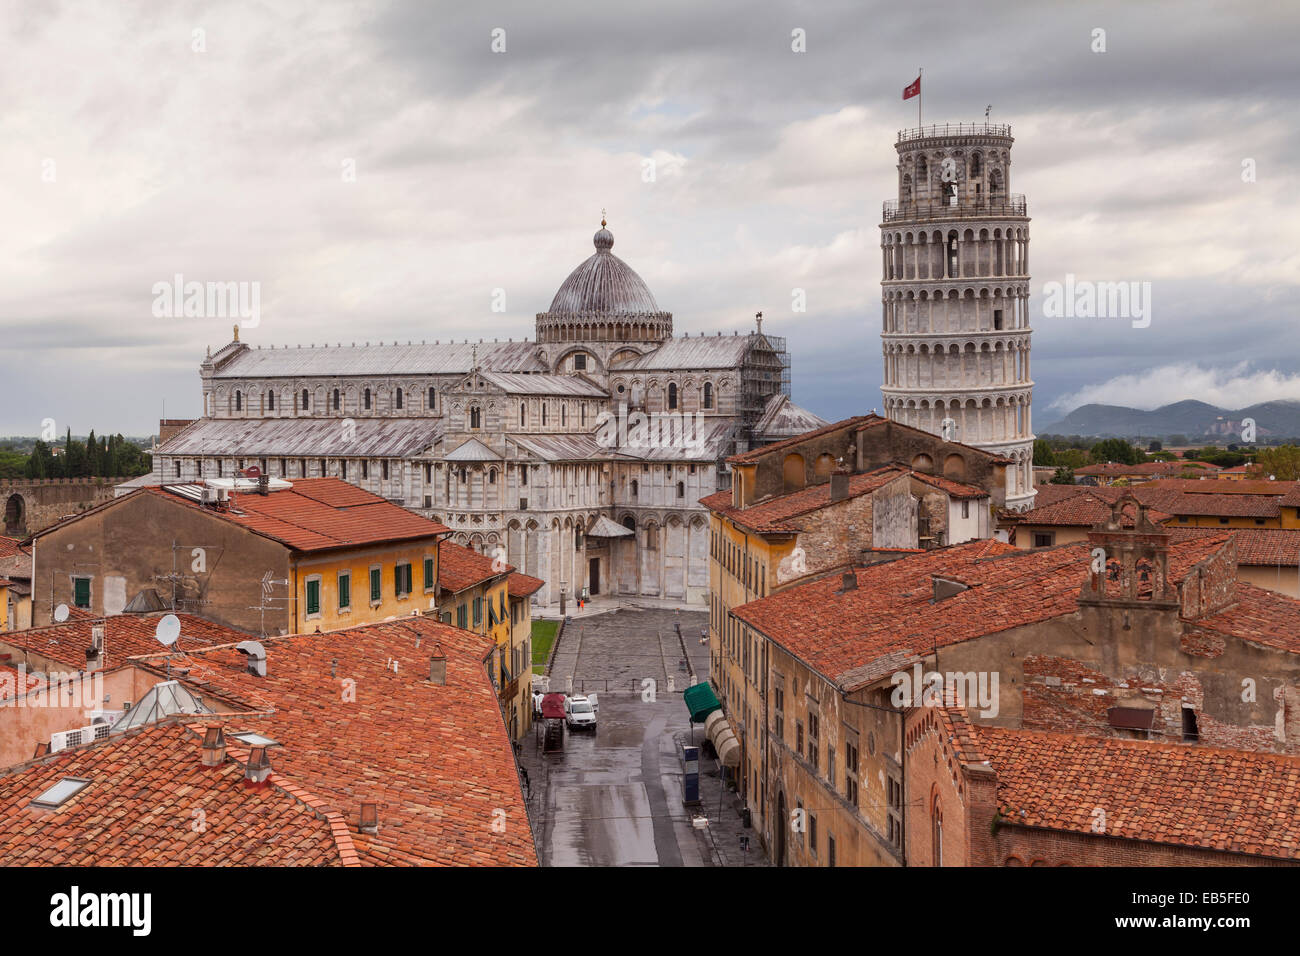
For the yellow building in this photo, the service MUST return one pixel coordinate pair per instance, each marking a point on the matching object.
(315, 555)
(474, 594)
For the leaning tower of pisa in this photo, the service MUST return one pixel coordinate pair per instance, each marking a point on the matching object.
(955, 282)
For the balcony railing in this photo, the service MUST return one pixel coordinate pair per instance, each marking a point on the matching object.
(1012, 205)
(954, 129)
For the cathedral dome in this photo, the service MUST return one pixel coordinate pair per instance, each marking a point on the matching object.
(604, 284)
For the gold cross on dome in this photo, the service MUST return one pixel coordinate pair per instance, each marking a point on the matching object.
(602, 216)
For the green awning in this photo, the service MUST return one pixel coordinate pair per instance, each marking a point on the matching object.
(700, 701)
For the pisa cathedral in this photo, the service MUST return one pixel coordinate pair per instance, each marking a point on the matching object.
(955, 289)
(498, 440)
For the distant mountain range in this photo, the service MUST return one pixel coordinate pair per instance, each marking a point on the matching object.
(1196, 420)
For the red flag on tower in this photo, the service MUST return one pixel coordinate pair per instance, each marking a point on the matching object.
(912, 89)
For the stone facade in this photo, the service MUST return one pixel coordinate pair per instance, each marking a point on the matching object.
(955, 294)
(519, 445)
(34, 504)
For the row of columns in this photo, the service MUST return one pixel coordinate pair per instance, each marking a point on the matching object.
(956, 258)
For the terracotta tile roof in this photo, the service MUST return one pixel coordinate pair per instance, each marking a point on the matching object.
(1235, 801)
(853, 423)
(147, 791)
(778, 514)
(1259, 616)
(1268, 546)
(9, 547)
(125, 636)
(1223, 506)
(1085, 508)
(437, 758)
(460, 567)
(1112, 469)
(1292, 498)
(860, 636)
(317, 514)
(15, 682)
(523, 585)
(1213, 486)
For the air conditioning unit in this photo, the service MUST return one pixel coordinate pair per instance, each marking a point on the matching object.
(211, 495)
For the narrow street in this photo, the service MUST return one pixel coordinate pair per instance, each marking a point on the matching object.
(614, 797)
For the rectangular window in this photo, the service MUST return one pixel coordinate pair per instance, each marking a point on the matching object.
(81, 592)
(345, 590)
(462, 616)
(446, 617)
(376, 586)
(313, 597)
(830, 849)
(1042, 540)
(478, 611)
(894, 793)
(778, 706)
(812, 834)
(402, 579)
(851, 771)
(965, 509)
(798, 737)
(428, 574)
(814, 740)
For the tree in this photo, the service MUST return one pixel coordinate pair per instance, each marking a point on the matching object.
(1043, 456)
(1063, 476)
(1114, 449)
(1155, 445)
(1282, 463)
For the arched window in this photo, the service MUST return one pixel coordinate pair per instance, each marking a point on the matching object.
(367, 398)
(681, 489)
(582, 411)
(975, 169)
(564, 415)
(922, 170)
(433, 398)
(635, 486)
(629, 523)
(543, 413)
(336, 399)
(270, 401)
(492, 476)
(937, 832)
(523, 414)
(399, 398)
(708, 394)
(306, 400)
(475, 417)
(672, 395)
(239, 401)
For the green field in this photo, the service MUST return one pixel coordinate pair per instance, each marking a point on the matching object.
(543, 637)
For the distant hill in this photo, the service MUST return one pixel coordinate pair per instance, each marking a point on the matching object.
(1196, 420)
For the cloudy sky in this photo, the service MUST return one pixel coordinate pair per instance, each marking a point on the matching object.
(128, 156)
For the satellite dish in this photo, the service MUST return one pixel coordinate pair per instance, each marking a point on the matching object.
(169, 628)
(61, 613)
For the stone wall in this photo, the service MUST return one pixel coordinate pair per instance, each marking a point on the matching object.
(32, 505)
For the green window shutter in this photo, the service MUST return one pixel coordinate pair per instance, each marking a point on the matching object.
(313, 597)
(345, 590)
(376, 583)
(462, 618)
(81, 592)
(446, 617)
(478, 611)
(428, 573)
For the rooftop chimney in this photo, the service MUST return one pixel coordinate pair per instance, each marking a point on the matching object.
(438, 666)
(839, 487)
(258, 767)
(213, 751)
(369, 818)
(848, 582)
(256, 656)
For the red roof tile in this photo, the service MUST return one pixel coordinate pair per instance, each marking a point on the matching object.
(523, 585)
(150, 802)
(1085, 508)
(856, 637)
(125, 636)
(317, 514)
(359, 721)
(15, 682)
(460, 567)
(779, 513)
(1233, 801)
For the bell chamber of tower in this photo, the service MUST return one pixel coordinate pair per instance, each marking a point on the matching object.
(955, 296)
